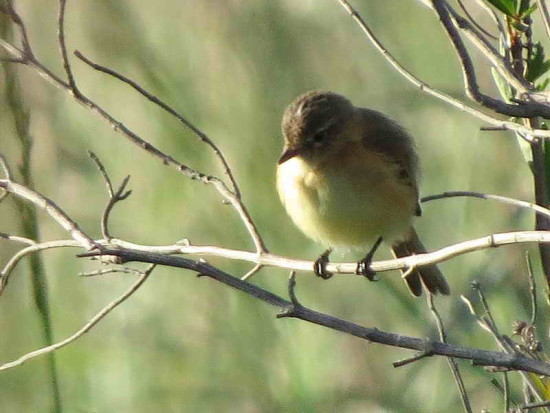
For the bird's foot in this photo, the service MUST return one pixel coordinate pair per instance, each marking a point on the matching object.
(320, 265)
(363, 266)
(364, 269)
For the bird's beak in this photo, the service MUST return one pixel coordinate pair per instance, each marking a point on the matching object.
(288, 153)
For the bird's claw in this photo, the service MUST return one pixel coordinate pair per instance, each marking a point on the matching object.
(320, 265)
(364, 269)
(363, 266)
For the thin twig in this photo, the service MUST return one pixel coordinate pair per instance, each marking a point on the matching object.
(7, 174)
(252, 272)
(505, 200)
(124, 270)
(218, 184)
(52, 209)
(480, 357)
(474, 22)
(16, 18)
(119, 195)
(15, 259)
(93, 321)
(470, 81)
(63, 47)
(431, 91)
(503, 341)
(114, 197)
(488, 51)
(532, 288)
(16, 238)
(483, 4)
(201, 135)
(532, 406)
(103, 172)
(452, 363)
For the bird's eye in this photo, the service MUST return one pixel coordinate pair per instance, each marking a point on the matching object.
(320, 136)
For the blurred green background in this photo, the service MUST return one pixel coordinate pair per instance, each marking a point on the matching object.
(192, 345)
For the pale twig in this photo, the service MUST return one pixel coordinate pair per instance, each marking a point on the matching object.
(452, 362)
(252, 272)
(15, 259)
(512, 126)
(16, 238)
(266, 259)
(96, 273)
(480, 357)
(200, 134)
(7, 174)
(89, 325)
(52, 209)
(505, 200)
(419, 260)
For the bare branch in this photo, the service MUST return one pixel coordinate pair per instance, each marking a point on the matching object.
(15, 238)
(12, 263)
(52, 209)
(8, 175)
(252, 272)
(490, 53)
(103, 172)
(120, 195)
(433, 92)
(87, 327)
(480, 357)
(193, 174)
(472, 88)
(63, 47)
(474, 22)
(202, 136)
(505, 200)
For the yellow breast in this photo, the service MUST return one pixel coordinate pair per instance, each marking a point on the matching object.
(349, 199)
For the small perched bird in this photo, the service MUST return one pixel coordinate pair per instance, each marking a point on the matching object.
(348, 177)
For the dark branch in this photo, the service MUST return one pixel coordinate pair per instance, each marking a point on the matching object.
(477, 356)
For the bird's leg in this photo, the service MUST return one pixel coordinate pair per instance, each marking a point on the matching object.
(363, 266)
(320, 265)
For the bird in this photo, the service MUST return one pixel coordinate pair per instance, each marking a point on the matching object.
(348, 177)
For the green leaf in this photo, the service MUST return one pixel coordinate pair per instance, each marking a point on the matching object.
(503, 86)
(542, 85)
(508, 7)
(537, 65)
(524, 13)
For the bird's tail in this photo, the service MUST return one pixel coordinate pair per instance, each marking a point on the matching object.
(428, 275)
